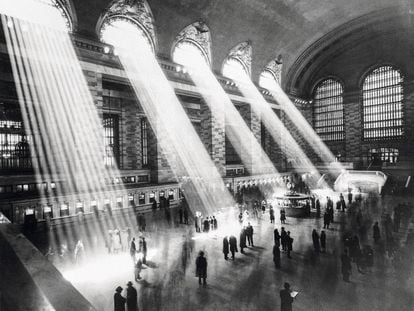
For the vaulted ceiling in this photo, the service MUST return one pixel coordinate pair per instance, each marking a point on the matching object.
(274, 27)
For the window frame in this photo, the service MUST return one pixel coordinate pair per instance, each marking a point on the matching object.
(340, 134)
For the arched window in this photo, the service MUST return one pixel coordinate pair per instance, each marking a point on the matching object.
(111, 29)
(126, 20)
(328, 110)
(53, 14)
(234, 69)
(193, 45)
(267, 80)
(237, 64)
(271, 76)
(188, 53)
(382, 100)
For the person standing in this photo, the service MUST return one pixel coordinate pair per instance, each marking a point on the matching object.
(242, 242)
(323, 241)
(282, 216)
(289, 241)
(376, 232)
(349, 196)
(326, 220)
(315, 240)
(233, 245)
(346, 266)
(283, 239)
(214, 222)
(201, 268)
(131, 298)
(286, 299)
(276, 237)
(226, 248)
(272, 215)
(143, 249)
(133, 250)
(206, 225)
(119, 300)
(276, 256)
(249, 234)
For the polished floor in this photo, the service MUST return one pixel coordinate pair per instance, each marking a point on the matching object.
(250, 282)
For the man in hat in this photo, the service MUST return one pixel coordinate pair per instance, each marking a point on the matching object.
(286, 299)
(132, 297)
(119, 300)
(201, 268)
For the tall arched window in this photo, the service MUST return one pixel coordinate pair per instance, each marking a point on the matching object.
(193, 45)
(382, 100)
(328, 110)
(126, 20)
(188, 53)
(237, 65)
(234, 69)
(267, 80)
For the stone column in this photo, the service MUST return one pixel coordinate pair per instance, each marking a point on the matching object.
(353, 127)
(213, 135)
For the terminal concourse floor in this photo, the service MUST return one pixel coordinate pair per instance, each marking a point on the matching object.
(250, 282)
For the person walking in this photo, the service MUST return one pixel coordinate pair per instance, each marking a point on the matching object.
(131, 297)
(272, 215)
(326, 220)
(283, 239)
(276, 256)
(133, 250)
(201, 268)
(233, 246)
(282, 216)
(249, 234)
(119, 300)
(226, 248)
(289, 241)
(242, 242)
(323, 241)
(143, 249)
(214, 223)
(315, 240)
(286, 299)
(276, 237)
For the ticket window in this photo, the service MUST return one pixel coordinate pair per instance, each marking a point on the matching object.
(141, 200)
(64, 209)
(30, 218)
(80, 208)
(152, 197)
(171, 194)
(131, 200)
(94, 207)
(119, 202)
(162, 195)
(48, 211)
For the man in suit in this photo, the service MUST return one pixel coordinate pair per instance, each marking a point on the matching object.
(131, 298)
(233, 246)
(286, 299)
(119, 300)
(226, 248)
(249, 234)
(201, 268)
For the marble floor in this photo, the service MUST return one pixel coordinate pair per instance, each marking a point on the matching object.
(250, 282)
